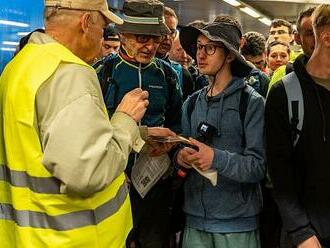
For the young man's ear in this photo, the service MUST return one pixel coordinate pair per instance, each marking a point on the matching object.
(230, 58)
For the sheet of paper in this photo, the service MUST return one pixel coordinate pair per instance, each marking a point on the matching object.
(147, 171)
(169, 139)
(210, 174)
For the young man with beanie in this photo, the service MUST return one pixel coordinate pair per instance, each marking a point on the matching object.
(298, 155)
(134, 66)
(229, 138)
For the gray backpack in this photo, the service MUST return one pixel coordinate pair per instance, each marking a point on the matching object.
(295, 104)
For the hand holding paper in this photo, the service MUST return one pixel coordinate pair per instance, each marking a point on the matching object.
(200, 160)
(156, 146)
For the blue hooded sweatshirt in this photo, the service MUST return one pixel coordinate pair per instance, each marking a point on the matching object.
(234, 203)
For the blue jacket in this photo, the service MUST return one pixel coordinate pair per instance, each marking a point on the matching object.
(235, 202)
(157, 77)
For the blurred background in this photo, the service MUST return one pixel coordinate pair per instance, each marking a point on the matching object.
(19, 17)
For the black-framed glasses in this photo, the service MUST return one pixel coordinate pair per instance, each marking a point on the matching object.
(209, 49)
(144, 38)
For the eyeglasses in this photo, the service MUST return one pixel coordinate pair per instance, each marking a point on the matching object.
(279, 32)
(209, 49)
(144, 38)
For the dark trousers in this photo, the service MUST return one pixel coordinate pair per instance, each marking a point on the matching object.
(270, 221)
(151, 216)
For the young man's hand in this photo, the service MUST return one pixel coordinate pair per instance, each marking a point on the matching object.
(158, 148)
(202, 158)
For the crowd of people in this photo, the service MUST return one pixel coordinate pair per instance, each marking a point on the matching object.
(237, 123)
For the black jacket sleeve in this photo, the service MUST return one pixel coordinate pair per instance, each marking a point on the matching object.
(280, 159)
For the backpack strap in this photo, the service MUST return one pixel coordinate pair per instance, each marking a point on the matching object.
(295, 104)
(104, 69)
(191, 105)
(288, 68)
(170, 76)
(243, 104)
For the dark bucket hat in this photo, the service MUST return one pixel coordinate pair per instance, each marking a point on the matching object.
(226, 33)
(143, 17)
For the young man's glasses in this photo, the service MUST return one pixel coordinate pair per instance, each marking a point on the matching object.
(144, 38)
(209, 49)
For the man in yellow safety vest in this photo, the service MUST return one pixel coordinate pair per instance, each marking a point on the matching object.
(61, 158)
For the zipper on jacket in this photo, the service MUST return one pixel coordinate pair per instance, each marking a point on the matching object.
(140, 86)
(140, 83)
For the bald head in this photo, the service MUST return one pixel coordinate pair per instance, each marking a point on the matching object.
(81, 31)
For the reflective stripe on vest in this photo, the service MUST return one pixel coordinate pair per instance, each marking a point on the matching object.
(67, 221)
(47, 185)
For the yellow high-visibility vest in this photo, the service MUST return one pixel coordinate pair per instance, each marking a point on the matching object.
(33, 212)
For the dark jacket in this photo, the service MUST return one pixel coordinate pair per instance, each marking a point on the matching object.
(259, 81)
(165, 99)
(301, 174)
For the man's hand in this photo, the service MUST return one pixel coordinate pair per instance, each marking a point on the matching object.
(203, 158)
(183, 155)
(157, 148)
(134, 103)
(312, 242)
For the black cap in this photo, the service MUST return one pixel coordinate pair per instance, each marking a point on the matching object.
(110, 33)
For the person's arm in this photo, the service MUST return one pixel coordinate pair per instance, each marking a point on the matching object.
(81, 147)
(279, 159)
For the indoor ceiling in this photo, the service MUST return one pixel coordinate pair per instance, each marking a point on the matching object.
(287, 10)
(190, 10)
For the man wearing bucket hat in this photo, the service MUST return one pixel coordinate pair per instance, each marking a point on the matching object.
(62, 159)
(136, 66)
(229, 133)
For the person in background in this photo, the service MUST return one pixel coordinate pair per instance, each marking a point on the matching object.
(24, 40)
(303, 37)
(163, 52)
(278, 54)
(299, 168)
(111, 41)
(178, 54)
(62, 158)
(254, 49)
(282, 30)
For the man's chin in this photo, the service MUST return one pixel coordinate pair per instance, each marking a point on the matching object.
(145, 59)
